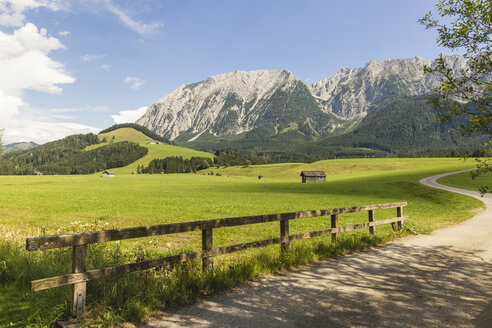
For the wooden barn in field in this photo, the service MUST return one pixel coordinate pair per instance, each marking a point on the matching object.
(108, 174)
(313, 176)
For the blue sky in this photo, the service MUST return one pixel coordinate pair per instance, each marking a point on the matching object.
(73, 66)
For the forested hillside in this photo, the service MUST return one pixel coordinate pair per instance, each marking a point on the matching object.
(407, 127)
(176, 165)
(398, 127)
(67, 156)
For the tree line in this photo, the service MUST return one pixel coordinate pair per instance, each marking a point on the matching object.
(176, 165)
(231, 158)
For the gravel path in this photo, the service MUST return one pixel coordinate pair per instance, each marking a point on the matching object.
(438, 280)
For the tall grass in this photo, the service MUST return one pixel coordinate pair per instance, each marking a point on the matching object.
(132, 296)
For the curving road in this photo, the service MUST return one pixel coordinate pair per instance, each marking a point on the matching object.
(438, 280)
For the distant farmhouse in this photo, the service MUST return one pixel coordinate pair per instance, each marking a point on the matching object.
(313, 176)
(108, 174)
(153, 142)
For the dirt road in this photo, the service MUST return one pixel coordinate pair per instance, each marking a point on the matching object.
(438, 280)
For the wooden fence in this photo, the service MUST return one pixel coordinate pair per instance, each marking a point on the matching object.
(79, 241)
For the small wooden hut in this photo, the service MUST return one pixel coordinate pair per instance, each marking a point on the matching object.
(108, 174)
(313, 176)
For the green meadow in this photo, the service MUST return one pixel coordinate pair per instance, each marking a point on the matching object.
(465, 181)
(38, 205)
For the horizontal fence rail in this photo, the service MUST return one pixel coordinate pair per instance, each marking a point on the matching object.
(79, 241)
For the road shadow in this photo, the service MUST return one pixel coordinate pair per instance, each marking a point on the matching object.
(389, 286)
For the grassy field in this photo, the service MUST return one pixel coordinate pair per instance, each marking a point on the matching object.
(465, 181)
(338, 167)
(32, 206)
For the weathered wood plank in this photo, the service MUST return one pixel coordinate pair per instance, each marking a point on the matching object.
(399, 213)
(74, 278)
(334, 225)
(284, 235)
(372, 229)
(84, 238)
(320, 233)
(78, 297)
(207, 244)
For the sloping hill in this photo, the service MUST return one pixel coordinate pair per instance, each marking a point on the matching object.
(156, 150)
(18, 146)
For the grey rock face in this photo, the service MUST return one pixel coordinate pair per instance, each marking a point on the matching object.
(351, 92)
(232, 103)
(224, 104)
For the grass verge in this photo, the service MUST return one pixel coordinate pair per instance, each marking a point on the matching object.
(465, 181)
(133, 296)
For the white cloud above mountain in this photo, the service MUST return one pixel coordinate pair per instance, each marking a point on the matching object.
(129, 116)
(143, 29)
(135, 82)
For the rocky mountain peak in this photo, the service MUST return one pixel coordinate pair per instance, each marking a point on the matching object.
(236, 102)
(208, 104)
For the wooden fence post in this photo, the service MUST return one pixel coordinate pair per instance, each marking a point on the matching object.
(334, 224)
(284, 235)
(79, 264)
(372, 229)
(207, 244)
(399, 213)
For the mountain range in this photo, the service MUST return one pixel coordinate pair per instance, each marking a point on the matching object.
(272, 110)
(18, 146)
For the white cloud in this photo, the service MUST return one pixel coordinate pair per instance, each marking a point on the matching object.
(61, 113)
(141, 28)
(64, 33)
(41, 130)
(12, 11)
(135, 82)
(129, 116)
(10, 106)
(106, 67)
(87, 58)
(64, 117)
(23, 123)
(63, 110)
(99, 109)
(25, 64)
